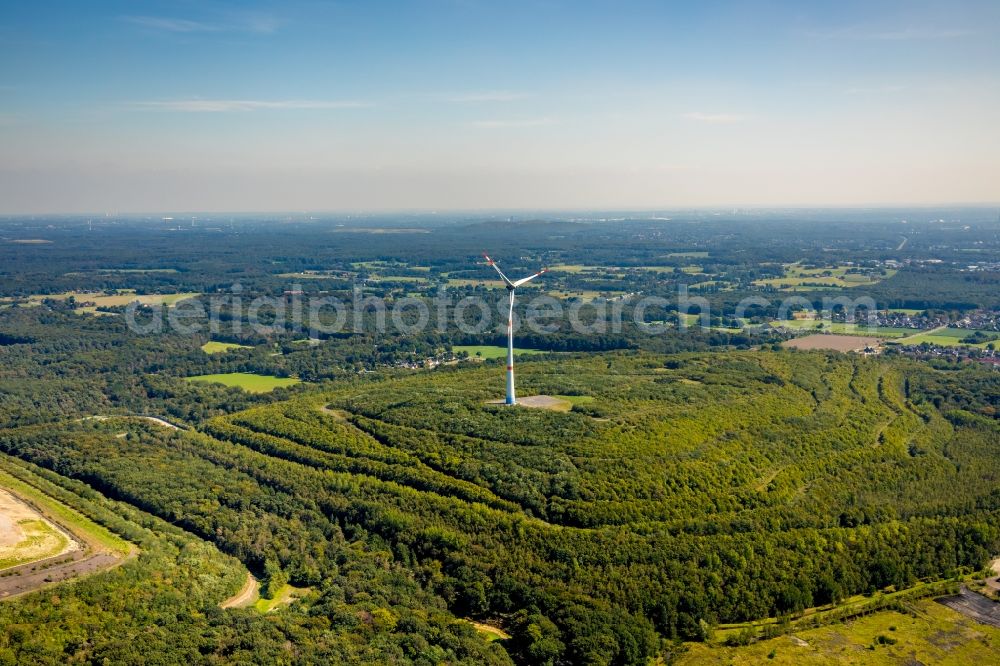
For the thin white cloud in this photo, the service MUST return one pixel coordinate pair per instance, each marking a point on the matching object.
(488, 96)
(869, 90)
(497, 124)
(249, 22)
(715, 118)
(169, 24)
(909, 33)
(233, 105)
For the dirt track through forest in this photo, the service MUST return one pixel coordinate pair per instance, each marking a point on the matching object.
(245, 597)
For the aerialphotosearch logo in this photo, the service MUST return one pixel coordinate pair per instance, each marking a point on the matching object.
(236, 314)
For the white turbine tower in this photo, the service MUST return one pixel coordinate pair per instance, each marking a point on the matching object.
(511, 286)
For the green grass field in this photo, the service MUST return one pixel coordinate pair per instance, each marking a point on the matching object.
(947, 337)
(397, 278)
(491, 351)
(213, 347)
(65, 515)
(286, 595)
(119, 298)
(248, 382)
(573, 268)
(796, 277)
(844, 329)
(930, 634)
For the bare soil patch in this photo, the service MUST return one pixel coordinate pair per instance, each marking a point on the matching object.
(26, 535)
(841, 343)
(539, 402)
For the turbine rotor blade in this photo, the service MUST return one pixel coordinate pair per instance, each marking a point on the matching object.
(497, 269)
(529, 278)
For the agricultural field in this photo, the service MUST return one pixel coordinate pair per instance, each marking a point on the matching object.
(119, 298)
(842, 328)
(247, 381)
(797, 277)
(491, 351)
(469, 282)
(398, 278)
(575, 268)
(841, 343)
(586, 295)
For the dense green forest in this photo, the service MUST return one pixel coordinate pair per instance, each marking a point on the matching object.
(692, 490)
(702, 476)
(162, 606)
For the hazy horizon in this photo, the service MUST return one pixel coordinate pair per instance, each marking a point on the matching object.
(470, 106)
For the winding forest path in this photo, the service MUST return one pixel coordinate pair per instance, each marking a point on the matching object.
(245, 597)
(152, 419)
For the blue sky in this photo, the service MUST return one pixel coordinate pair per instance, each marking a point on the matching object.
(465, 104)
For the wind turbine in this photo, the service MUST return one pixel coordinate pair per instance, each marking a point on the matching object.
(511, 286)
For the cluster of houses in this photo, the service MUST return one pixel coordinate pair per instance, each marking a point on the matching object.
(980, 320)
